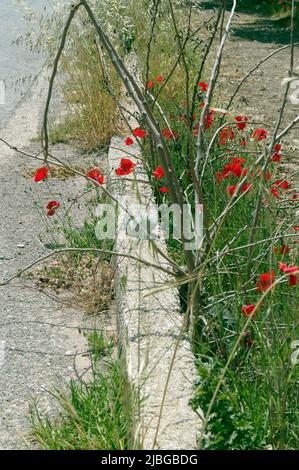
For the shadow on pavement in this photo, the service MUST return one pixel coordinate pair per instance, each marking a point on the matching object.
(262, 28)
(266, 30)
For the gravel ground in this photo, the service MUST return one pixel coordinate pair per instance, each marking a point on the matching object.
(34, 356)
(253, 37)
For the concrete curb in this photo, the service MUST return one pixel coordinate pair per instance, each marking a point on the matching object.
(149, 323)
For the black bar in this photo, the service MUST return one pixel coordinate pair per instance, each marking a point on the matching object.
(146, 459)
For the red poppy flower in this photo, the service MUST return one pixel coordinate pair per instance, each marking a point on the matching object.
(246, 187)
(225, 135)
(284, 249)
(247, 310)
(52, 206)
(277, 147)
(40, 174)
(150, 84)
(243, 143)
(238, 160)
(210, 120)
(159, 78)
(268, 277)
(282, 184)
(292, 270)
(138, 132)
(129, 141)
(287, 269)
(164, 189)
(158, 173)
(231, 189)
(219, 176)
(169, 135)
(125, 168)
(265, 282)
(295, 196)
(241, 122)
(234, 169)
(267, 175)
(276, 157)
(275, 192)
(203, 86)
(95, 175)
(282, 266)
(260, 134)
(293, 280)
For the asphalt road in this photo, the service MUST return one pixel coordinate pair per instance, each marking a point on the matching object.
(16, 63)
(39, 339)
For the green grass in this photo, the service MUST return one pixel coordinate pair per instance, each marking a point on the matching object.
(82, 82)
(85, 237)
(93, 415)
(98, 345)
(257, 405)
